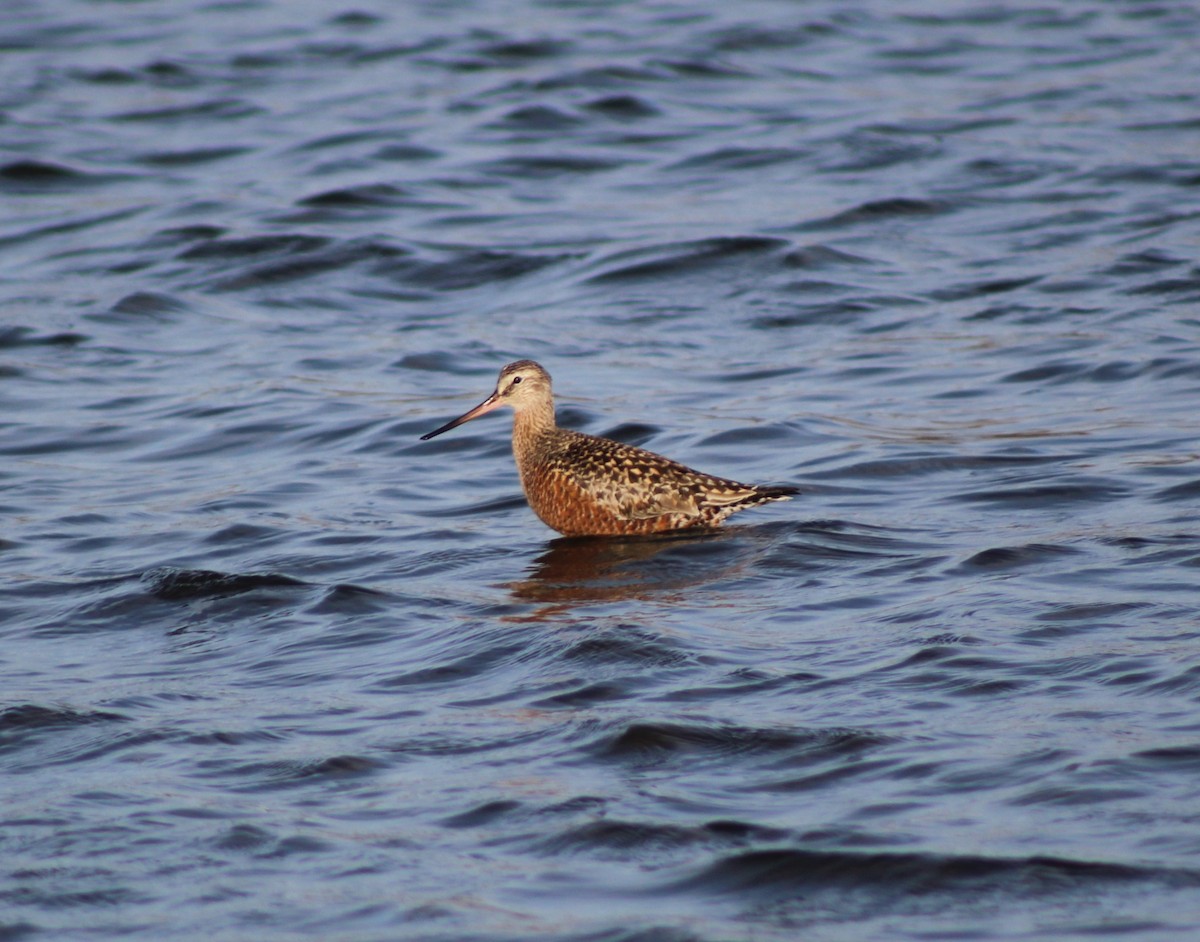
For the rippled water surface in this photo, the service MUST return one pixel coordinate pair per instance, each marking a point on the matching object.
(272, 668)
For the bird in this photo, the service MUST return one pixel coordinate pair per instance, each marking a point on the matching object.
(584, 485)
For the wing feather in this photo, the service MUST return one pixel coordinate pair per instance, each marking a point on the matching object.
(635, 484)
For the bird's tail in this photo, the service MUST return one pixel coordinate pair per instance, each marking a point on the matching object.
(762, 494)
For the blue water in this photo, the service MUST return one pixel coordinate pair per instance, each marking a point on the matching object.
(272, 668)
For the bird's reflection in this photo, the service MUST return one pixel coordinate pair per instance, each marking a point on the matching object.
(605, 569)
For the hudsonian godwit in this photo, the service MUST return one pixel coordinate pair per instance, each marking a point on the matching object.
(582, 485)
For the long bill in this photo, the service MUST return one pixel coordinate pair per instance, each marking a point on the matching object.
(491, 402)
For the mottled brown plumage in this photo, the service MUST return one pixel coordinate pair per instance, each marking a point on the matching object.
(582, 485)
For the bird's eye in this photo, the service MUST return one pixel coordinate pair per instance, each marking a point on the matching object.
(516, 379)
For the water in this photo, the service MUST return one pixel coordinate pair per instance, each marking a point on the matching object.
(271, 668)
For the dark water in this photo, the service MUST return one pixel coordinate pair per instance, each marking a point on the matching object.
(271, 668)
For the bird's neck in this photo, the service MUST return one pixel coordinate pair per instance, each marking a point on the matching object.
(531, 424)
